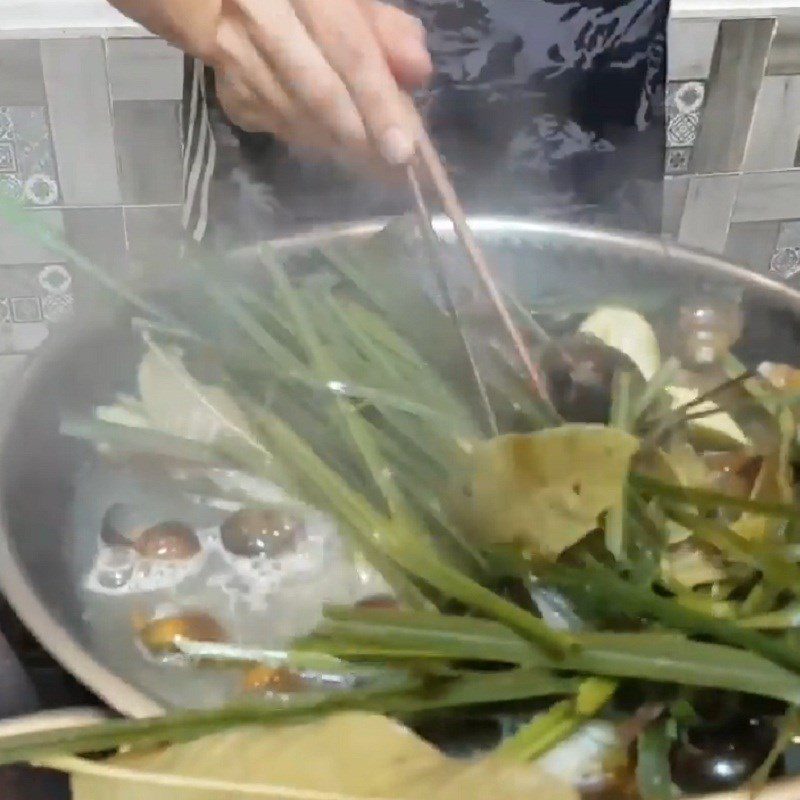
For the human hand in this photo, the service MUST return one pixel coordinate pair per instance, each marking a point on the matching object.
(328, 75)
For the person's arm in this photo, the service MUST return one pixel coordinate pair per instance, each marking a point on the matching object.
(323, 73)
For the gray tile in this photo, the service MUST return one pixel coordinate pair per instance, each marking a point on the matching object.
(80, 119)
(21, 80)
(11, 369)
(144, 69)
(22, 337)
(784, 58)
(789, 235)
(768, 196)
(735, 78)
(690, 48)
(99, 234)
(155, 235)
(776, 125)
(19, 248)
(148, 141)
(707, 212)
(675, 189)
(751, 244)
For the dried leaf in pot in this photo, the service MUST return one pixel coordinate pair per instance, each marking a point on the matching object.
(542, 492)
(349, 755)
(774, 482)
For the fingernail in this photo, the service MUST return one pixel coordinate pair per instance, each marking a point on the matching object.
(396, 146)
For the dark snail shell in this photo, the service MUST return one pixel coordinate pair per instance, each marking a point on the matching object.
(168, 541)
(716, 758)
(254, 532)
(262, 679)
(160, 635)
(128, 526)
(579, 372)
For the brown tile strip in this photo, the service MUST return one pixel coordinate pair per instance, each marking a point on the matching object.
(736, 73)
(80, 120)
(675, 189)
(776, 125)
(147, 133)
(21, 80)
(707, 212)
(691, 47)
(784, 58)
(752, 244)
(768, 196)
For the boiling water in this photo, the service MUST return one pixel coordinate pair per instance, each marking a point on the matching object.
(261, 601)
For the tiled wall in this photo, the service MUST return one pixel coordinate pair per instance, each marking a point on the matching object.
(90, 141)
(733, 161)
(89, 138)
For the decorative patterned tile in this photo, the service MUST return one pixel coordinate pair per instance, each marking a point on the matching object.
(677, 160)
(6, 125)
(785, 262)
(58, 307)
(26, 309)
(55, 279)
(685, 97)
(27, 164)
(682, 130)
(8, 161)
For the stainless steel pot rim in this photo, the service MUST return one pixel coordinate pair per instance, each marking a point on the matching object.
(109, 686)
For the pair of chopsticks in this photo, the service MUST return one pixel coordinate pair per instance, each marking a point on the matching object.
(428, 163)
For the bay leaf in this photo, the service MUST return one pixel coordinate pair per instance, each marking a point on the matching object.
(543, 491)
(340, 757)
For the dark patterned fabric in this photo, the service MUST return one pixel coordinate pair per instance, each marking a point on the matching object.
(540, 107)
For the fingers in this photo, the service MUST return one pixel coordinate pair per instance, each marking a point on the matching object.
(300, 66)
(324, 73)
(404, 42)
(347, 41)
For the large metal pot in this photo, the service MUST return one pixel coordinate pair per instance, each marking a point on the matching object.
(37, 465)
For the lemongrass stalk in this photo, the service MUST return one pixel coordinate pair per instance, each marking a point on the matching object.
(602, 587)
(559, 722)
(711, 499)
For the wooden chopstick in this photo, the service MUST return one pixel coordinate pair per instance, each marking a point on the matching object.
(429, 159)
(434, 250)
